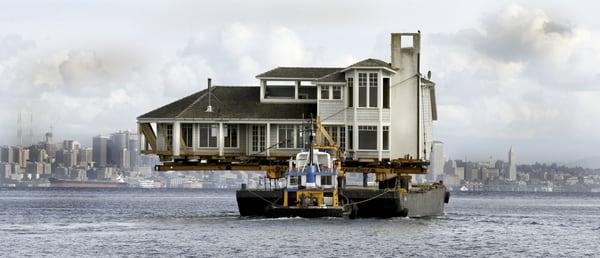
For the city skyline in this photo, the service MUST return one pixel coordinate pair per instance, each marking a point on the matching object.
(96, 76)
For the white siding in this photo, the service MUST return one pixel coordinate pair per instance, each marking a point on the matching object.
(427, 120)
(385, 116)
(331, 110)
(349, 115)
(367, 115)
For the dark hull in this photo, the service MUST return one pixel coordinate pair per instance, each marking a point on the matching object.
(85, 184)
(425, 203)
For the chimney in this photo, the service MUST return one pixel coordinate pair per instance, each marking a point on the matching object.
(209, 108)
(410, 49)
(396, 47)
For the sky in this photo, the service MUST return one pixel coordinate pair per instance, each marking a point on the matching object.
(508, 73)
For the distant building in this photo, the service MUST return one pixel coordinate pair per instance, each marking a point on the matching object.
(35, 169)
(100, 151)
(133, 150)
(449, 168)
(512, 165)
(71, 145)
(3, 154)
(69, 158)
(37, 154)
(437, 161)
(5, 172)
(85, 157)
(119, 141)
(61, 172)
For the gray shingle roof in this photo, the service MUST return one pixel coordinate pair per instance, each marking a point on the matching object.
(371, 62)
(299, 72)
(333, 77)
(241, 102)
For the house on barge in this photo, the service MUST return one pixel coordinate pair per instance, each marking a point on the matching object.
(374, 111)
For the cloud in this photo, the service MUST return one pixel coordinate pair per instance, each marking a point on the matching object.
(185, 75)
(11, 45)
(84, 74)
(522, 76)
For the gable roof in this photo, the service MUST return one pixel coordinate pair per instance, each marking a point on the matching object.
(237, 102)
(298, 72)
(371, 63)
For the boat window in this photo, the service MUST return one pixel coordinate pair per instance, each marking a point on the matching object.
(323, 160)
(326, 180)
(293, 180)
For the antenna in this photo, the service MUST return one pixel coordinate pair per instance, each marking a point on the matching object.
(209, 108)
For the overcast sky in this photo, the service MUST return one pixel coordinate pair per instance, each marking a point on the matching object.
(508, 73)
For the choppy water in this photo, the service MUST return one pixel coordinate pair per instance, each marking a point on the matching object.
(206, 223)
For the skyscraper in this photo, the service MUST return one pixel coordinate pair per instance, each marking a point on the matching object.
(437, 161)
(100, 151)
(133, 142)
(512, 165)
(119, 141)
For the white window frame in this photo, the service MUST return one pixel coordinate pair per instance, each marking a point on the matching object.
(294, 132)
(368, 89)
(226, 130)
(368, 128)
(211, 127)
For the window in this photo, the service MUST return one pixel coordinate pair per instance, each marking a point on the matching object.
(230, 134)
(386, 92)
(258, 138)
(336, 92)
(324, 92)
(367, 137)
(350, 138)
(326, 180)
(208, 136)
(294, 180)
(302, 137)
(280, 89)
(372, 89)
(386, 137)
(307, 92)
(332, 130)
(362, 89)
(187, 135)
(286, 136)
(350, 92)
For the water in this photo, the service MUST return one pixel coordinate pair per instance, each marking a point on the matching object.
(206, 223)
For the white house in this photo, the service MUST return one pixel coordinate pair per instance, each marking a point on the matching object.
(373, 109)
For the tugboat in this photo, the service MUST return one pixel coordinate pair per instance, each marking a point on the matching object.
(310, 189)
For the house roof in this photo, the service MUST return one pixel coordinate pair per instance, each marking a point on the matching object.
(371, 63)
(298, 72)
(241, 102)
(333, 77)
